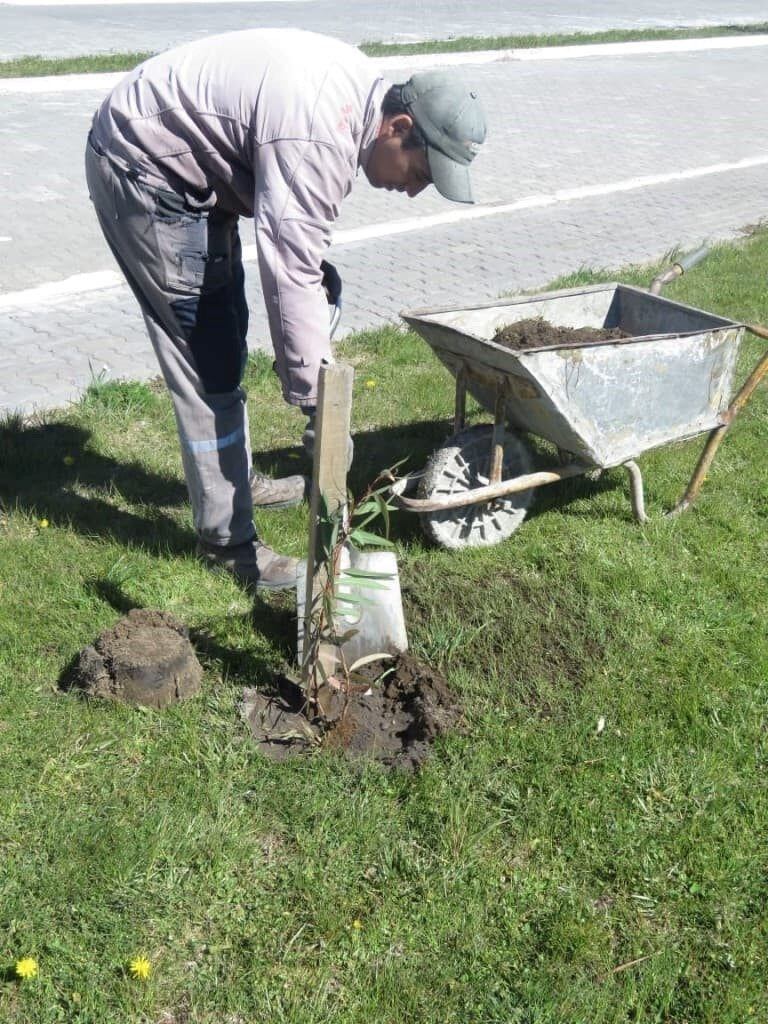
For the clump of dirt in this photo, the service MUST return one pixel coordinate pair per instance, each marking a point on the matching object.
(394, 719)
(145, 658)
(536, 332)
(398, 719)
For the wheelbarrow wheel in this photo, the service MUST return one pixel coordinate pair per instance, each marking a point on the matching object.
(462, 463)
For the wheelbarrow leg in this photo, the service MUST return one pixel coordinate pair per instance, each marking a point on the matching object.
(636, 490)
(460, 414)
(497, 449)
(717, 435)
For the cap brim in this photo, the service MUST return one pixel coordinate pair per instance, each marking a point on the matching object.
(450, 178)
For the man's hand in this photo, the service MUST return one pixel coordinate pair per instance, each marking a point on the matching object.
(331, 283)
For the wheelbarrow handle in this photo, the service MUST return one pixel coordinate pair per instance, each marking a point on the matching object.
(716, 436)
(758, 330)
(692, 259)
(678, 268)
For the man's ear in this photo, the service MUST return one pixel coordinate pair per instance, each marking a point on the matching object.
(400, 125)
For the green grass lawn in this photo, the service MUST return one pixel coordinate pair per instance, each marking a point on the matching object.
(533, 858)
(34, 65)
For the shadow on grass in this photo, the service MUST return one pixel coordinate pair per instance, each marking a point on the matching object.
(415, 442)
(272, 615)
(562, 496)
(47, 470)
(375, 451)
(36, 476)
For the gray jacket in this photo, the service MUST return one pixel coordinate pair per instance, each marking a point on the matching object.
(273, 124)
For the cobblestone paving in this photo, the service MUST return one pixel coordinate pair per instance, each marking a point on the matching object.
(67, 31)
(554, 126)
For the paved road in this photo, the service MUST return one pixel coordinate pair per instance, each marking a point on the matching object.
(627, 158)
(64, 30)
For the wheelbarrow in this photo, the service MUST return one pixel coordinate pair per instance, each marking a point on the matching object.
(601, 403)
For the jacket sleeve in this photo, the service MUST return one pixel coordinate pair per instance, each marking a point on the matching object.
(299, 188)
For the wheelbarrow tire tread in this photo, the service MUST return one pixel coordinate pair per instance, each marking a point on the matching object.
(460, 464)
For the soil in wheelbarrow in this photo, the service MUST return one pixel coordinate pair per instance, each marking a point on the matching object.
(393, 716)
(535, 332)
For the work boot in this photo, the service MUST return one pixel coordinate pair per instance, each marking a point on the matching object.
(283, 492)
(253, 564)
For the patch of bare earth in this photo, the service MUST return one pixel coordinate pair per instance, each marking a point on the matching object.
(394, 716)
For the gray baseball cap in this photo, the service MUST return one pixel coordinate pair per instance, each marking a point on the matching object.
(452, 120)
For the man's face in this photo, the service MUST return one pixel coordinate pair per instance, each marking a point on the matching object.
(393, 167)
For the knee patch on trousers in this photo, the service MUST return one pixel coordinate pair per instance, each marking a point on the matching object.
(213, 331)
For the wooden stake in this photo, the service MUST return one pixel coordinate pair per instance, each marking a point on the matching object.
(329, 480)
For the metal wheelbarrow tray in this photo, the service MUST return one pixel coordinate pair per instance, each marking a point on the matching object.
(601, 403)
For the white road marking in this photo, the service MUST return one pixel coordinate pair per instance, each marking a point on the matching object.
(566, 195)
(70, 287)
(80, 285)
(104, 82)
(100, 83)
(648, 46)
(5, 238)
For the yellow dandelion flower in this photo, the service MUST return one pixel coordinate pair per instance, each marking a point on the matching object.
(43, 524)
(357, 924)
(370, 384)
(140, 967)
(26, 967)
(69, 460)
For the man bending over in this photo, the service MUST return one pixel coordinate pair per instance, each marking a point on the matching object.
(274, 125)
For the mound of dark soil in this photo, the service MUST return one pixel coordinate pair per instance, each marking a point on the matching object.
(539, 333)
(394, 720)
(145, 658)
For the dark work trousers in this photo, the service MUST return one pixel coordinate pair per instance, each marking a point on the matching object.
(184, 266)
